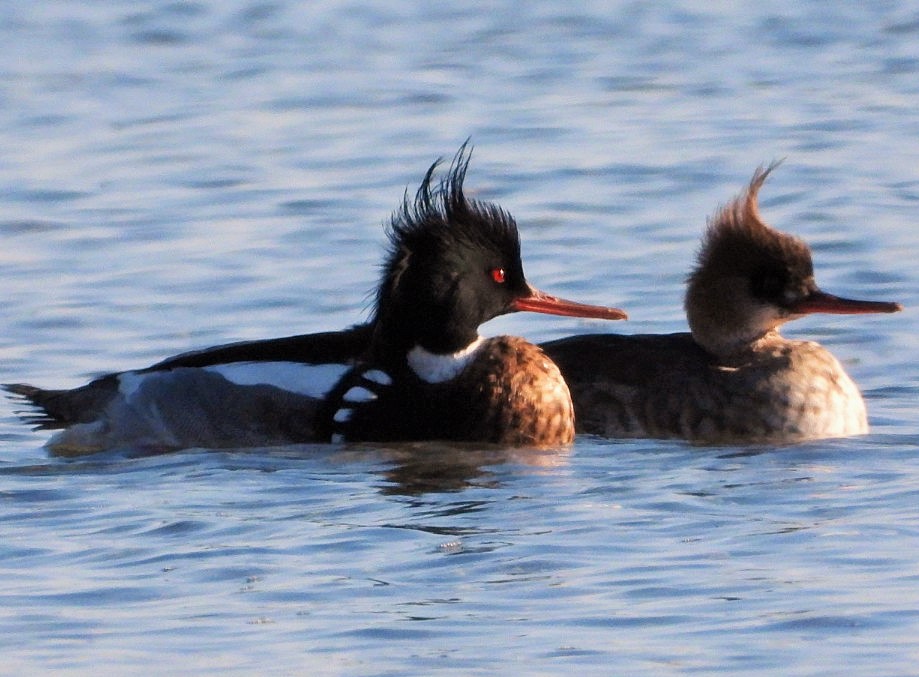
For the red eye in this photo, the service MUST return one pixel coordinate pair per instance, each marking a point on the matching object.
(497, 274)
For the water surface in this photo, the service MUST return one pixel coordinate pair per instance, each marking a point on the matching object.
(181, 174)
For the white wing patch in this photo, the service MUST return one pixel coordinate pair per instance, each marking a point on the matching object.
(358, 394)
(377, 376)
(343, 415)
(313, 380)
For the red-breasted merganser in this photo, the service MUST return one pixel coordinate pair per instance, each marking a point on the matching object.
(418, 370)
(734, 378)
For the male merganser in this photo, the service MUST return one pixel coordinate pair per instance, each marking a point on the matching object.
(418, 370)
(734, 378)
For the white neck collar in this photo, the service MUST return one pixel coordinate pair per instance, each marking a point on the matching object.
(435, 368)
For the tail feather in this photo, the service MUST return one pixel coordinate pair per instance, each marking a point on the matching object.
(62, 408)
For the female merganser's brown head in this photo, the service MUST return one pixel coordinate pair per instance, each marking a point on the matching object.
(750, 279)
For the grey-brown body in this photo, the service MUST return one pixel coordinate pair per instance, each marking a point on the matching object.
(667, 386)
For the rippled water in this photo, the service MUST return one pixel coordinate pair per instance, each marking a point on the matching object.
(180, 174)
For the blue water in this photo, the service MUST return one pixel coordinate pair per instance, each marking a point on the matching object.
(180, 174)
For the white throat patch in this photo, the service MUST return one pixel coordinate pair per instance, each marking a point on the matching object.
(435, 368)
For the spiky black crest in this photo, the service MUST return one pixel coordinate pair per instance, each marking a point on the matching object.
(738, 242)
(441, 217)
(437, 285)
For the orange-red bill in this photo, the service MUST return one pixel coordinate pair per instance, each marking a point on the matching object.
(540, 302)
(821, 302)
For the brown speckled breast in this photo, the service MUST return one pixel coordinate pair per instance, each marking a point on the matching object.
(517, 395)
(510, 394)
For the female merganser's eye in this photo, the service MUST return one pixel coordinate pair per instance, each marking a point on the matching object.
(497, 274)
(768, 286)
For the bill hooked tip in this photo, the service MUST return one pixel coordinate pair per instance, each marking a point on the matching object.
(540, 302)
(821, 302)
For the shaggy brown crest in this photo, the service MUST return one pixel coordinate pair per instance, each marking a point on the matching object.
(739, 243)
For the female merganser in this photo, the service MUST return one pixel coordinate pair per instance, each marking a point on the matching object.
(418, 370)
(734, 378)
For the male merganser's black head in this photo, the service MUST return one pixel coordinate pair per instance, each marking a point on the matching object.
(453, 264)
(750, 279)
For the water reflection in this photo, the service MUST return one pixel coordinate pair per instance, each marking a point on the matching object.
(410, 469)
(423, 467)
